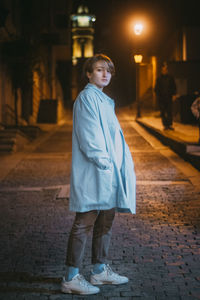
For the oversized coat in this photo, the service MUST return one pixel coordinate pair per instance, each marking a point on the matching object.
(96, 181)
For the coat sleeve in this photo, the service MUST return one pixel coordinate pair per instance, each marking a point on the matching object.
(89, 132)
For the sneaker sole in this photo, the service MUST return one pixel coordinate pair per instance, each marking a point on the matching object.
(66, 291)
(108, 282)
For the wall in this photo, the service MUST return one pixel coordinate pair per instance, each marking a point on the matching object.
(147, 78)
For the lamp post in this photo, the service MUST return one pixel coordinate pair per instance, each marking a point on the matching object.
(138, 28)
(138, 60)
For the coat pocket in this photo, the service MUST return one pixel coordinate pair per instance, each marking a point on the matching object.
(99, 186)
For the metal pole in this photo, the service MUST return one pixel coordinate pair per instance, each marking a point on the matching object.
(137, 92)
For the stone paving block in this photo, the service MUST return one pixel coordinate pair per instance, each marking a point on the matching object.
(195, 292)
(59, 142)
(20, 296)
(10, 296)
(98, 296)
(149, 166)
(128, 131)
(39, 172)
(133, 293)
(119, 298)
(60, 297)
(109, 291)
(35, 297)
(38, 287)
(188, 298)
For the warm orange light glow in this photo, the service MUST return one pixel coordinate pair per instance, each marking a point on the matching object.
(138, 58)
(89, 51)
(138, 28)
(74, 61)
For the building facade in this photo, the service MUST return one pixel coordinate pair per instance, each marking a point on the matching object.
(35, 58)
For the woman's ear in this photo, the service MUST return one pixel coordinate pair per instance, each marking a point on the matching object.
(88, 75)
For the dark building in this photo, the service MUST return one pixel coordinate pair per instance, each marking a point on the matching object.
(35, 58)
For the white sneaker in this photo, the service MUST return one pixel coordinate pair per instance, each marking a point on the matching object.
(107, 277)
(78, 285)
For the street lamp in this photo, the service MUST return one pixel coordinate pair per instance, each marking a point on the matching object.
(138, 28)
(138, 60)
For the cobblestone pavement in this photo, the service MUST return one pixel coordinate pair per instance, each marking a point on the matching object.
(158, 248)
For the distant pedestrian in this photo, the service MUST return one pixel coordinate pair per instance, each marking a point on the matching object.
(195, 108)
(165, 90)
(102, 179)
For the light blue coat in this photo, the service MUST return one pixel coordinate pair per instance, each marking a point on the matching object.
(96, 181)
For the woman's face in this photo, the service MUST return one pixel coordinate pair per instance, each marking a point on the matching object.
(100, 75)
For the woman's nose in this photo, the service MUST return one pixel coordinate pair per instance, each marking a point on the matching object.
(105, 72)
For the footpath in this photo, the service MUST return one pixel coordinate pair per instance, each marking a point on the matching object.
(184, 139)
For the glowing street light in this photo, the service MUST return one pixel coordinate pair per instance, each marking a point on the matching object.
(138, 28)
(138, 58)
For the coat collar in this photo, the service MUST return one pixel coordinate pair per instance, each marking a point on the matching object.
(101, 93)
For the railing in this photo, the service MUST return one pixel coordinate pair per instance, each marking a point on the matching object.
(9, 117)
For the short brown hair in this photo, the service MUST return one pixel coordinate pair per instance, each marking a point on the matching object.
(88, 66)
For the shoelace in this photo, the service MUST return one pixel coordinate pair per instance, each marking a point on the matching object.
(110, 271)
(82, 281)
